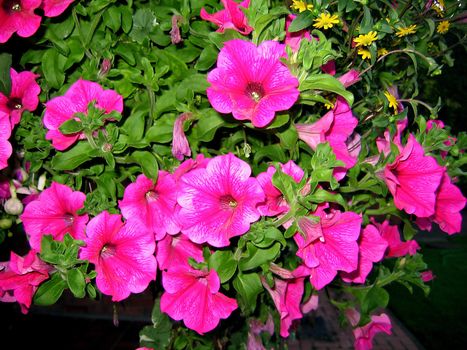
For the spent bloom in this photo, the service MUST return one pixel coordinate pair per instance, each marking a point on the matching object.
(251, 82)
(232, 17)
(366, 39)
(326, 21)
(364, 335)
(301, 6)
(443, 27)
(123, 254)
(180, 145)
(218, 202)
(18, 17)
(55, 213)
(404, 31)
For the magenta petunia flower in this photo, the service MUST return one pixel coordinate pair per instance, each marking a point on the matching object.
(152, 204)
(76, 100)
(384, 143)
(55, 213)
(200, 162)
(330, 244)
(349, 78)
(232, 17)
(5, 146)
(293, 39)
(287, 296)
(20, 278)
(427, 276)
(364, 335)
(18, 16)
(413, 179)
(180, 145)
(335, 127)
(396, 248)
(371, 250)
(24, 95)
(251, 82)
(175, 250)
(219, 202)
(54, 8)
(275, 203)
(123, 254)
(193, 296)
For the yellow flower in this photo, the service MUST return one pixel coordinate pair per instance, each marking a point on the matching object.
(301, 6)
(382, 52)
(439, 7)
(366, 54)
(392, 101)
(366, 39)
(404, 31)
(443, 27)
(326, 21)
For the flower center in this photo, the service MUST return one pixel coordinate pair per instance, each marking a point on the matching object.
(152, 196)
(11, 6)
(107, 251)
(228, 202)
(69, 219)
(255, 91)
(14, 103)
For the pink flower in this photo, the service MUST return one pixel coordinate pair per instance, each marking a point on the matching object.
(123, 254)
(21, 277)
(55, 213)
(254, 341)
(180, 145)
(329, 67)
(5, 147)
(232, 17)
(287, 296)
(329, 245)
(384, 143)
(449, 203)
(364, 335)
(251, 82)
(293, 39)
(275, 203)
(334, 127)
(219, 202)
(18, 16)
(413, 179)
(24, 95)
(152, 204)
(349, 78)
(371, 249)
(176, 250)
(427, 276)
(54, 8)
(76, 100)
(193, 296)
(397, 248)
(190, 164)
(434, 123)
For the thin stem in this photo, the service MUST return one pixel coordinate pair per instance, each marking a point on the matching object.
(427, 106)
(391, 52)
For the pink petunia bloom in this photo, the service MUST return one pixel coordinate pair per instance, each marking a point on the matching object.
(397, 248)
(152, 204)
(251, 82)
(5, 147)
(123, 254)
(293, 39)
(335, 127)
(219, 201)
(200, 162)
(449, 203)
(176, 250)
(287, 296)
(232, 17)
(55, 213)
(21, 277)
(364, 335)
(18, 16)
(371, 250)
(413, 179)
(76, 100)
(254, 341)
(275, 203)
(384, 143)
(329, 67)
(54, 8)
(427, 276)
(349, 78)
(180, 145)
(193, 296)
(330, 244)
(24, 95)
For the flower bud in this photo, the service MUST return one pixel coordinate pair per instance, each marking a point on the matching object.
(13, 206)
(5, 224)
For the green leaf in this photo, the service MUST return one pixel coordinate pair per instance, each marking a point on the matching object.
(76, 282)
(158, 335)
(302, 21)
(280, 120)
(207, 58)
(143, 24)
(289, 137)
(376, 297)
(326, 82)
(71, 126)
(367, 21)
(112, 18)
(208, 124)
(134, 126)
(256, 256)
(224, 264)
(5, 79)
(248, 287)
(53, 65)
(71, 159)
(50, 291)
(148, 163)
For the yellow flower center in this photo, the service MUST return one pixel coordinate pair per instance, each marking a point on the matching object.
(255, 91)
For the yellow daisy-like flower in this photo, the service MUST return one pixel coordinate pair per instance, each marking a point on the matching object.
(301, 6)
(366, 54)
(366, 39)
(439, 7)
(443, 27)
(404, 31)
(382, 52)
(392, 101)
(326, 21)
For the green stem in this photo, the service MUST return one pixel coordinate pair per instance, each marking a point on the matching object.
(427, 106)
(392, 52)
(90, 139)
(381, 211)
(389, 279)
